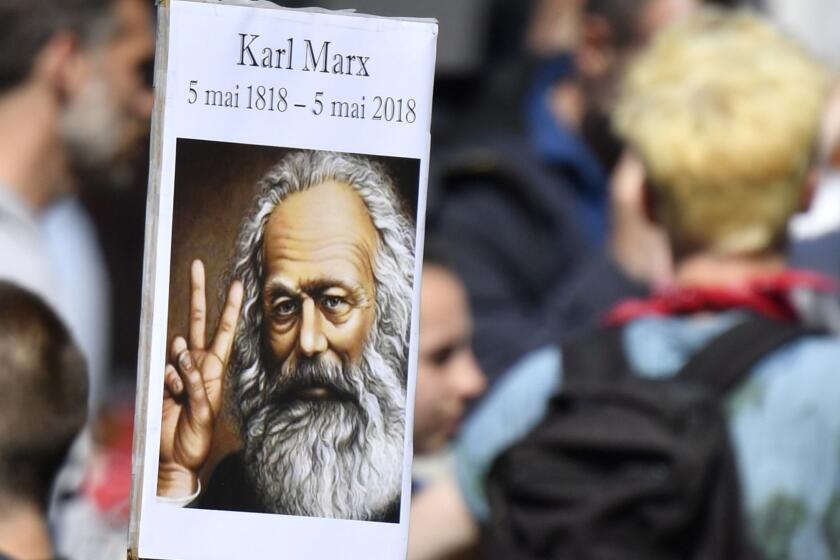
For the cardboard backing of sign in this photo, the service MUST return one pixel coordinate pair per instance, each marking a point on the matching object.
(284, 242)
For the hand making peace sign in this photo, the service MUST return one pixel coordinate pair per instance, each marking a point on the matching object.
(193, 386)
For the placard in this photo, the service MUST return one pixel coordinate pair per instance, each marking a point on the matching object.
(281, 283)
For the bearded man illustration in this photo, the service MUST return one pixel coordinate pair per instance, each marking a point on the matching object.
(310, 354)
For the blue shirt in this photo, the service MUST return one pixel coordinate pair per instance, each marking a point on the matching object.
(784, 420)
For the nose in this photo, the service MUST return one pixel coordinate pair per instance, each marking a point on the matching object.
(311, 340)
(471, 380)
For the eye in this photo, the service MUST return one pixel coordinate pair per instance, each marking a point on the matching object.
(441, 356)
(285, 307)
(335, 304)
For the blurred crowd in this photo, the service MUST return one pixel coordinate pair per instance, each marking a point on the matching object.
(618, 187)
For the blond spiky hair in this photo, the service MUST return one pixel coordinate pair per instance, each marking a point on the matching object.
(724, 111)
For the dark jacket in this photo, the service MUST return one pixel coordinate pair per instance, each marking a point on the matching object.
(514, 236)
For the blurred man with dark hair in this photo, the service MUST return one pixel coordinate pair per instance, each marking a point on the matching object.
(448, 380)
(448, 376)
(73, 105)
(43, 404)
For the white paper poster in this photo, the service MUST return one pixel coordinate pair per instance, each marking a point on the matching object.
(284, 234)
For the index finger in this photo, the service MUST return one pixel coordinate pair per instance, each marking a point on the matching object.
(223, 340)
(198, 306)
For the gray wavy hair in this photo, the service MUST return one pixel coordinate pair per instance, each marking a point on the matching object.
(393, 267)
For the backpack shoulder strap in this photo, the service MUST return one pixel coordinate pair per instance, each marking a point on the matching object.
(598, 356)
(727, 359)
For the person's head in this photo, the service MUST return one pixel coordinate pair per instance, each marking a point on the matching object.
(88, 60)
(448, 375)
(326, 258)
(43, 398)
(611, 33)
(723, 110)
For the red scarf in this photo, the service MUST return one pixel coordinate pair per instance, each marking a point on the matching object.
(769, 296)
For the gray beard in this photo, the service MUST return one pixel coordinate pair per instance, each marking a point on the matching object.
(92, 129)
(337, 458)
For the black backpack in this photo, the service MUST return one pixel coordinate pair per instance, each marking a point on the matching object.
(622, 467)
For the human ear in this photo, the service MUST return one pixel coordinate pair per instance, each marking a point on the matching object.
(638, 245)
(61, 65)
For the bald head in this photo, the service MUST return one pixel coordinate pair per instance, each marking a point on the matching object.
(319, 291)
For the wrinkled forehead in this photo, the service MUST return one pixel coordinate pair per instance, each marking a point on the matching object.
(327, 229)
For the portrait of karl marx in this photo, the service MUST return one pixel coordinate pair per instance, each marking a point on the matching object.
(310, 353)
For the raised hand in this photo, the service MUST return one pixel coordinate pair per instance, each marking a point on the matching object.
(193, 387)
